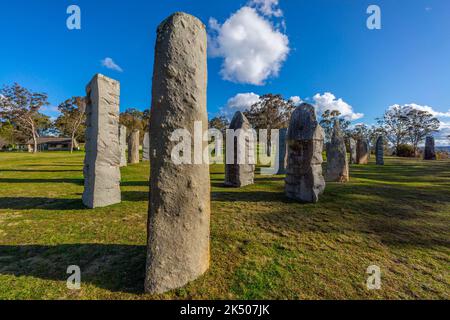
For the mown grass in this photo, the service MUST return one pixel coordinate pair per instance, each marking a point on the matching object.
(263, 246)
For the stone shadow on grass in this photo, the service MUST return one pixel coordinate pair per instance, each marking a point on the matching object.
(40, 171)
(28, 203)
(22, 180)
(135, 196)
(259, 180)
(134, 183)
(396, 216)
(250, 196)
(118, 268)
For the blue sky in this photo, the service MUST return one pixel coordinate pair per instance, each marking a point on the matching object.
(330, 50)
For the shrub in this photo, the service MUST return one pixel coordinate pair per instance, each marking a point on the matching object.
(441, 155)
(405, 151)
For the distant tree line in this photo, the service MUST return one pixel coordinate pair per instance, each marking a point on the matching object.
(402, 126)
(22, 120)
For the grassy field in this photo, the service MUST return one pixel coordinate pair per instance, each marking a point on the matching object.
(263, 246)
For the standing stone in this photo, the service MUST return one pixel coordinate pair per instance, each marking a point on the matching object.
(123, 145)
(379, 151)
(179, 207)
(282, 151)
(133, 147)
(430, 152)
(146, 147)
(102, 160)
(240, 175)
(337, 163)
(352, 146)
(362, 151)
(304, 179)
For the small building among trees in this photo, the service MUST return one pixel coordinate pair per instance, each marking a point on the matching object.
(52, 144)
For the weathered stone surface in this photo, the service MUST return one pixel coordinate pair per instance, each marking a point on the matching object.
(123, 145)
(179, 208)
(133, 147)
(379, 151)
(146, 147)
(240, 173)
(102, 160)
(430, 152)
(352, 151)
(337, 163)
(304, 179)
(282, 151)
(362, 151)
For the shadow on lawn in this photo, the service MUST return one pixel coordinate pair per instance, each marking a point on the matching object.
(251, 196)
(118, 268)
(64, 180)
(39, 171)
(26, 203)
(136, 196)
(134, 183)
(396, 216)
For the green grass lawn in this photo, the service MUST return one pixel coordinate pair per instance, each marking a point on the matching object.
(263, 246)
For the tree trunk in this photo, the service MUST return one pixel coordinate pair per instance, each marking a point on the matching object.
(71, 142)
(34, 142)
(416, 150)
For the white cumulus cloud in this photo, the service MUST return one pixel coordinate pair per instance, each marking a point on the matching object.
(429, 109)
(267, 7)
(240, 102)
(296, 100)
(328, 101)
(252, 48)
(110, 64)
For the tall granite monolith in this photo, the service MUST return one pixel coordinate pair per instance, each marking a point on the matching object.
(352, 151)
(304, 179)
(362, 151)
(102, 160)
(281, 152)
(379, 151)
(337, 163)
(179, 207)
(123, 145)
(146, 147)
(430, 152)
(133, 147)
(240, 168)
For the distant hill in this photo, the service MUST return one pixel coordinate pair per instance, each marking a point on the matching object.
(443, 149)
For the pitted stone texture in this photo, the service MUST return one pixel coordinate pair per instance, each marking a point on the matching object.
(240, 175)
(352, 151)
(337, 163)
(362, 151)
(282, 151)
(146, 147)
(379, 151)
(123, 145)
(102, 160)
(430, 152)
(304, 179)
(133, 147)
(179, 208)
